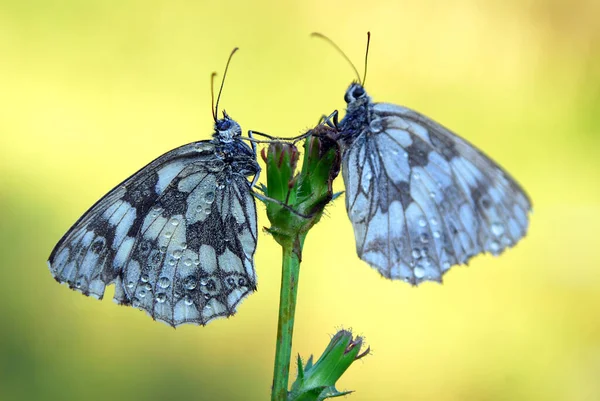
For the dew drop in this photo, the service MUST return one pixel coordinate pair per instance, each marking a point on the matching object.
(433, 221)
(161, 297)
(497, 229)
(445, 265)
(130, 284)
(164, 282)
(145, 278)
(204, 147)
(424, 238)
(135, 302)
(187, 262)
(494, 247)
(416, 175)
(163, 249)
(419, 272)
(422, 222)
(207, 212)
(210, 285)
(97, 246)
(209, 197)
(202, 281)
(416, 253)
(147, 286)
(188, 300)
(436, 234)
(142, 293)
(172, 262)
(199, 209)
(177, 254)
(189, 283)
(432, 195)
(168, 234)
(485, 202)
(174, 222)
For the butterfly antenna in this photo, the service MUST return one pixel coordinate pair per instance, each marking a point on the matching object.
(332, 43)
(212, 95)
(223, 82)
(366, 58)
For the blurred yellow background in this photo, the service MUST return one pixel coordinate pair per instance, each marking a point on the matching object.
(92, 90)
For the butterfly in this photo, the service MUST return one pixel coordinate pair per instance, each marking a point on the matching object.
(177, 238)
(421, 199)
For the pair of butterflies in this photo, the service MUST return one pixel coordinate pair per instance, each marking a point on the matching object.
(178, 237)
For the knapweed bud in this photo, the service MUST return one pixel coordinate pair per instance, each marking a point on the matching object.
(317, 382)
(296, 202)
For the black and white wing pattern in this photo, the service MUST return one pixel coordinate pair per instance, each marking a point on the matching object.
(177, 238)
(420, 198)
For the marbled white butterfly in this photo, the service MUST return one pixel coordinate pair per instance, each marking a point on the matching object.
(420, 198)
(177, 238)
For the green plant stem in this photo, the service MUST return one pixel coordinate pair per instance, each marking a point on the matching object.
(285, 326)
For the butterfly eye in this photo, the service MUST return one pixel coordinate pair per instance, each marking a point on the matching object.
(347, 97)
(358, 92)
(223, 125)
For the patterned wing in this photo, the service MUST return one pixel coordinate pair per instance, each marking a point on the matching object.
(176, 241)
(421, 199)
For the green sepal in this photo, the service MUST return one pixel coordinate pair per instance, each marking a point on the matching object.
(295, 202)
(317, 382)
(300, 368)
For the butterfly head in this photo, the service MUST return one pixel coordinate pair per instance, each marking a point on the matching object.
(356, 96)
(227, 129)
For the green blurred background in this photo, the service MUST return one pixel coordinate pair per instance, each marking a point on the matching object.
(92, 90)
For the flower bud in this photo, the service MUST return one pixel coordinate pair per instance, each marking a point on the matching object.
(297, 201)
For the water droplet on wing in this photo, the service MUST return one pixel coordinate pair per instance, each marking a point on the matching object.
(189, 283)
(497, 229)
(164, 282)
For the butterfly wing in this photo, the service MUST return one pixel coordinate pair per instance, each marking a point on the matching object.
(176, 241)
(421, 199)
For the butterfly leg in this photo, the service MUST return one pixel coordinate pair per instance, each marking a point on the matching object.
(257, 175)
(330, 120)
(265, 198)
